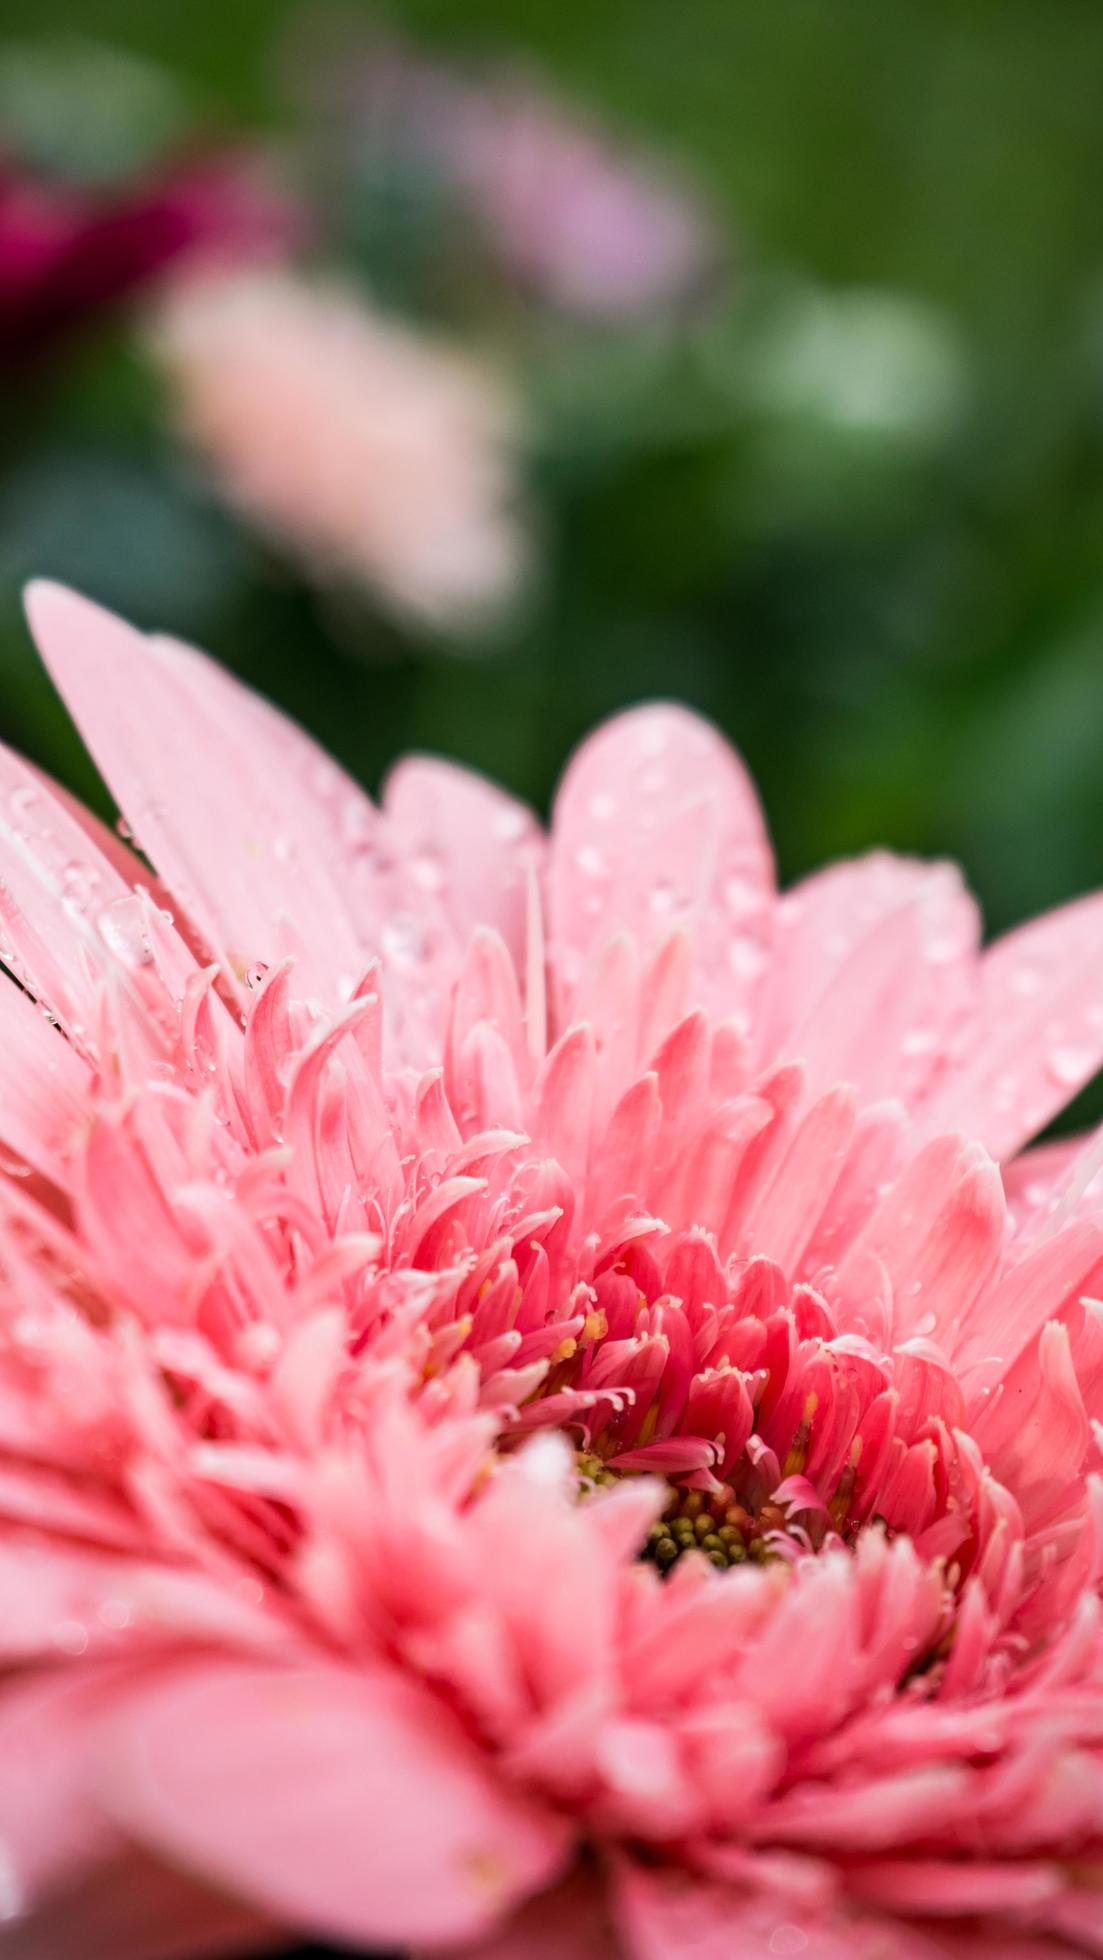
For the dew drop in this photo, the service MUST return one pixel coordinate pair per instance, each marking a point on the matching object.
(114, 1613)
(653, 739)
(940, 951)
(1069, 1066)
(427, 871)
(746, 958)
(919, 1041)
(70, 1637)
(590, 861)
(509, 825)
(663, 898)
(788, 1939)
(123, 929)
(403, 940)
(741, 897)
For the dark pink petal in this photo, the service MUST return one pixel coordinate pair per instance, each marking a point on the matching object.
(572, 1922)
(131, 1907)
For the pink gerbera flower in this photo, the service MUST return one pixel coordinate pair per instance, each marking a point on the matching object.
(540, 1412)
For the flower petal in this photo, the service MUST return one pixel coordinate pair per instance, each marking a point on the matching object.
(824, 921)
(1039, 1034)
(349, 1805)
(466, 841)
(657, 825)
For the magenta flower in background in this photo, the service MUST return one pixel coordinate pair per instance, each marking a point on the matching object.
(371, 451)
(67, 256)
(543, 1409)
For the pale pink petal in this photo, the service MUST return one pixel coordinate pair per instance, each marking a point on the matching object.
(43, 1094)
(339, 1802)
(656, 825)
(831, 923)
(467, 843)
(1039, 1035)
(937, 1235)
(1033, 1179)
(229, 829)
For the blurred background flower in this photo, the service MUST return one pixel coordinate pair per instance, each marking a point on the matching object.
(577, 219)
(66, 256)
(746, 354)
(365, 448)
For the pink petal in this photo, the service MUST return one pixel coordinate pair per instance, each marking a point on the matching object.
(1039, 1034)
(468, 843)
(210, 801)
(671, 1917)
(657, 825)
(927, 1886)
(45, 1084)
(938, 1235)
(832, 929)
(1032, 1180)
(345, 1804)
(882, 1019)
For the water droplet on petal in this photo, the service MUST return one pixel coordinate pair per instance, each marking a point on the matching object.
(788, 1939)
(1069, 1066)
(70, 1637)
(427, 871)
(590, 862)
(403, 940)
(123, 929)
(509, 825)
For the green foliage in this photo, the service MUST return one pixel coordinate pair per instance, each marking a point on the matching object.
(853, 508)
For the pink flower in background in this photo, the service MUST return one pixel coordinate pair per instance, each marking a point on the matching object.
(542, 1411)
(66, 257)
(576, 217)
(371, 452)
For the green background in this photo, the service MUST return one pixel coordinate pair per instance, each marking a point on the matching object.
(899, 620)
